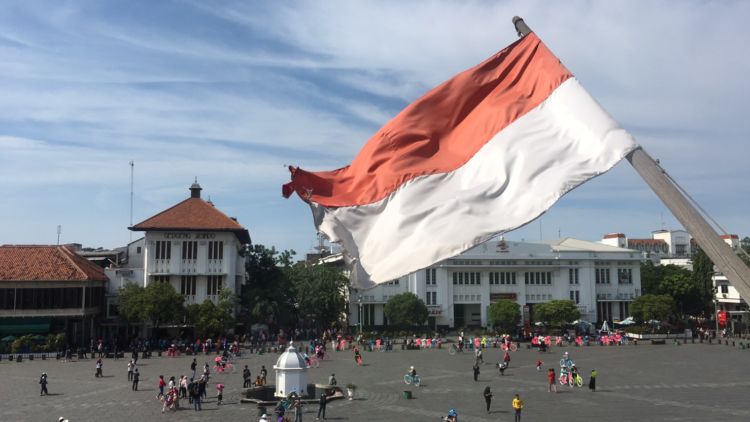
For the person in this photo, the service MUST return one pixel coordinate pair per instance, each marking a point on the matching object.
(280, 410)
(161, 386)
(502, 366)
(263, 418)
(357, 356)
(506, 358)
(476, 371)
(136, 377)
(219, 393)
(247, 377)
(551, 379)
(263, 374)
(517, 407)
(487, 397)
(452, 416)
(195, 395)
(592, 380)
(258, 381)
(539, 364)
(130, 370)
(193, 366)
(99, 365)
(322, 405)
(332, 379)
(412, 371)
(298, 410)
(478, 355)
(43, 384)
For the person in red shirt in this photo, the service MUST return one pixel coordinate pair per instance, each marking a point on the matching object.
(162, 384)
(551, 378)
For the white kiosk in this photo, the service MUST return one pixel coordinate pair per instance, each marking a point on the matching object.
(291, 373)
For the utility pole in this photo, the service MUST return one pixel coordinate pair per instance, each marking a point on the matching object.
(132, 165)
(656, 177)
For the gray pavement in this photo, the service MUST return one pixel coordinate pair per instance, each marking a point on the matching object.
(692, 382)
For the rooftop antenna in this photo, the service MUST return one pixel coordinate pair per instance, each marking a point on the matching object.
(132, 165)
(59, 230)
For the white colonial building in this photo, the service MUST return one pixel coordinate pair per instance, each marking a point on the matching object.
(601, 279)
(191, 245)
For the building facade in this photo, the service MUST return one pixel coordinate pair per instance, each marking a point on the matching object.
(192, 246)
(602, 280)
(50, 289)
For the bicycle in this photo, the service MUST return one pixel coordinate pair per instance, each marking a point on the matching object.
(409, 379)
(222, 369)
(455, 349)
(505, 347)
(566, 379)
(578, 380)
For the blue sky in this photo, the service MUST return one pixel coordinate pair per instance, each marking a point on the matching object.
(232, 92)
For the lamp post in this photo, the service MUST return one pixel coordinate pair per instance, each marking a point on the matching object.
(359, 319)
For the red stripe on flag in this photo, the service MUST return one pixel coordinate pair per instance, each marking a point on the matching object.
(442, 130)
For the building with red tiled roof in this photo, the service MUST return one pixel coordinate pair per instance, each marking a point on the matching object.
(192, 245)
(49, 289)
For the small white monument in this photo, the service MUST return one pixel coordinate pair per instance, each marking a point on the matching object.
(291, 373)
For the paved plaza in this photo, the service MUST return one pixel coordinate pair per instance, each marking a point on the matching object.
(692, 382)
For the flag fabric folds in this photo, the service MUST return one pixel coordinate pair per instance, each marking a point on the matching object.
(484, 153)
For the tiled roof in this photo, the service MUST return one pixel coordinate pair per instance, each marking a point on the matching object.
(46, 263)
(614, 235)
(647, 241)
(193, 214)
(729, 236)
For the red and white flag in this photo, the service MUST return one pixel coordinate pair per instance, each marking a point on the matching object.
(484, 153)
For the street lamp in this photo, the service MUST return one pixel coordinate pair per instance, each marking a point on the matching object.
(359, 319)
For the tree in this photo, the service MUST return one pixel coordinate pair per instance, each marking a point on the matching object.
(130, 302)
(406, 310)
(268, 295)
(703, 270)
(652, 307)
(505, 314)
(209, 318)
(156, 303)
(161, 304)
(320, 293)
(557, 312)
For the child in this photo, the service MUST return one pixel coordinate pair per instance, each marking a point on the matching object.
(539, 364)
(219, 393)
(501, 366)
(551, 378)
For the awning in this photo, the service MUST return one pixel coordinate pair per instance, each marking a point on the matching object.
(24, 326)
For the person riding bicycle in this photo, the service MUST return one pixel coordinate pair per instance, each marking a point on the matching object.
(452, 416)
(566, 361)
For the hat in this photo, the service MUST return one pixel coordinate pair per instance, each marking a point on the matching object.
(411, 367)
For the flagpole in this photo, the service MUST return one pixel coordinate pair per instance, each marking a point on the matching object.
(735, 270)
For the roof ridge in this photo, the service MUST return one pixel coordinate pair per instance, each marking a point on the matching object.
(164, 211)
(67, 254)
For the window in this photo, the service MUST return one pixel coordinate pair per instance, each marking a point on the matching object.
(467, 278)
(215, 249)
(502, 277)
(573, 275)
(725, 288)
(138, 250)
(160, 279)
(213, 284)
(625, 275)
(538, 277)
(575, 296)
(187, 285)
(431, 298)
(431, 276)
(163, 249)
(189, 249)
(602, 275)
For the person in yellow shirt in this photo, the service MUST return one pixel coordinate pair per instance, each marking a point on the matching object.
(517, 406)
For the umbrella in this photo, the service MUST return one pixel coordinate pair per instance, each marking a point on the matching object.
(627, 321)
(605, 326)
(581, 322)
(8, 338)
